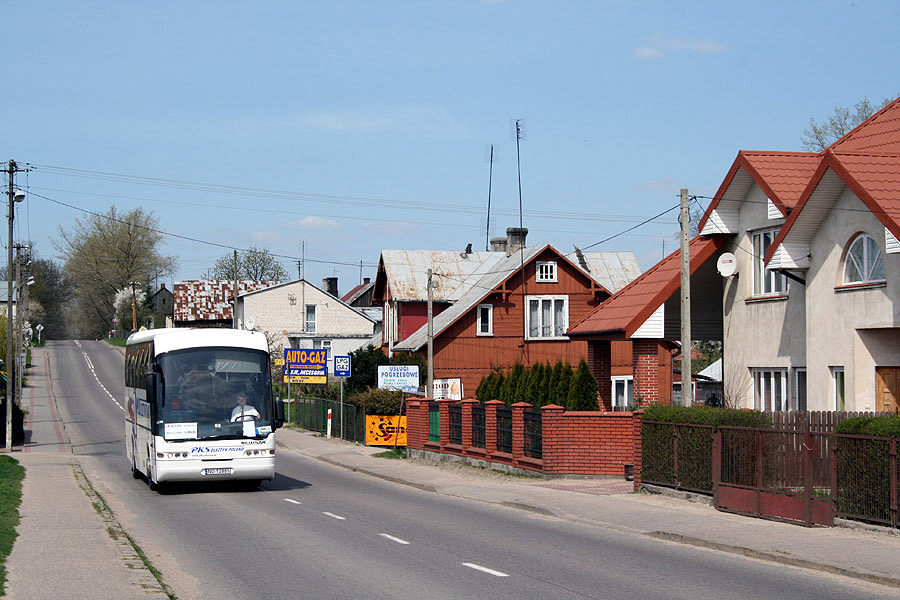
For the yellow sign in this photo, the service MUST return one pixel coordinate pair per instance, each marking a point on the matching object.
(380, 431)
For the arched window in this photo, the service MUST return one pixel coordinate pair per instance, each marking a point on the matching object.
(864, 262)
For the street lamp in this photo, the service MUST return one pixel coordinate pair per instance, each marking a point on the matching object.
(14, 196)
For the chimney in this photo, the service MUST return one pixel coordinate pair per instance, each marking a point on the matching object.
(162, 286)
(366, 280)
(498, 244)
(515, 239)
(329, 284)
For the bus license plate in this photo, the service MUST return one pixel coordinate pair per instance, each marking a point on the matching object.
(218, 471)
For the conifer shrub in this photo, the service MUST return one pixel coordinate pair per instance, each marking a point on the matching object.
(583, 389)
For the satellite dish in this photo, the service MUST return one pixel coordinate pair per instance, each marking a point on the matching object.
(726, 265)
(250, 323)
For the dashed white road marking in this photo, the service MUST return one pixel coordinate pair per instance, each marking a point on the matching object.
(291, 501)
(334, 516)
(394, 539)
(94, 373)
(485, 570)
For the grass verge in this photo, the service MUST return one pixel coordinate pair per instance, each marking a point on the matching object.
(11, 476)
(399, 453)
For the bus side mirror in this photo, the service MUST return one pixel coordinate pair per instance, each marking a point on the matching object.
(279, 413)
(151, 384)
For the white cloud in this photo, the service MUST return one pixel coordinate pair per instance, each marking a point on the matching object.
(647, 53)
(313, 223)
(659, 46)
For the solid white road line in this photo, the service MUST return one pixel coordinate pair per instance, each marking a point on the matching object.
(94, 373)
(394, 539)
(334, 516)
(485, 570)
(291, 501)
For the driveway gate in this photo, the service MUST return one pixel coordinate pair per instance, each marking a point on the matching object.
(776, 474)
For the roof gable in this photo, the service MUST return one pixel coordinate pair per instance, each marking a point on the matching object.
(626, 311)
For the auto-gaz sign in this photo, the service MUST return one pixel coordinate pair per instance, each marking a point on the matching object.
(305, 365)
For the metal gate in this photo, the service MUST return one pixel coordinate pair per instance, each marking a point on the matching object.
(777, 474)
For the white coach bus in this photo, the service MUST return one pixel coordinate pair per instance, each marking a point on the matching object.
(199, 406)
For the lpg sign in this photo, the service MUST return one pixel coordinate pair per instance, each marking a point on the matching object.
(305, 365)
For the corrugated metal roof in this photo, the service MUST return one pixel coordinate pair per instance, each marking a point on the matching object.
(605, 268)
(407, 272)
(207, 300)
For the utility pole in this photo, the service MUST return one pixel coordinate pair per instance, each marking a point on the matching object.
(234, 295)
(430, 381)
(686, 380)
(13, 198)
(133, 310)
(487, 233)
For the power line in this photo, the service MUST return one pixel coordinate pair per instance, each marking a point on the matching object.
(191, 239)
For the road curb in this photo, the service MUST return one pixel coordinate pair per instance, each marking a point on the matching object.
(772, 557)
(149, 582)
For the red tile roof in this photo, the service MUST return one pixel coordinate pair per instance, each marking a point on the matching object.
(781, 175)
(623, 313)
(880, 133)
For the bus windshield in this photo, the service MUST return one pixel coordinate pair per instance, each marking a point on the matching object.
(214, 393)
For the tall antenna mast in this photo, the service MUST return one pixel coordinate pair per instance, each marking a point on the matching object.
(520, 133)
(487, 233)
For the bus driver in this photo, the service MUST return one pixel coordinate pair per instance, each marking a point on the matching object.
(243, 411)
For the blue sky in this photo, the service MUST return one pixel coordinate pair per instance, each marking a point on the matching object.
(332, 130)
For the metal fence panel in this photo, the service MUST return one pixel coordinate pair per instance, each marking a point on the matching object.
(504, 429)
(454, 425)
(533, 434)
(478, 426)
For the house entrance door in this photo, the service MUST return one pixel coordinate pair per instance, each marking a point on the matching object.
(887, 389)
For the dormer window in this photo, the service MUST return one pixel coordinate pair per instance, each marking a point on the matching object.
(546, 271)
(864, 262)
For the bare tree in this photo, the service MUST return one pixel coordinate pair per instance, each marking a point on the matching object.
(819, 136)
(105, 253)
(256, 264)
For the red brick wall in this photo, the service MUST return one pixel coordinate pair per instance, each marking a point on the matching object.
(574, 443)
(646, 370)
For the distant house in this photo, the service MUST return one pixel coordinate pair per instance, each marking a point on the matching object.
(361, 298)
(162, 307)
(208, 303)
(493, 309)
(298, 314)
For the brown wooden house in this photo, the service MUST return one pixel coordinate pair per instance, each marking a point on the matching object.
(493, 309)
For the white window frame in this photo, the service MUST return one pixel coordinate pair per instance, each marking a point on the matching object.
(864, 255)
(322, 344)
(765, 281)
(541, 328)
(676, 393)
(545, 272)
(485, 328)
(627, 383)
(310, 325)
(770, 385)
(800, 392)
(838, 388)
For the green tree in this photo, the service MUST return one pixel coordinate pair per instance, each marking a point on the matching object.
(583, 391)
(565, 382)
(819, 136)
(543, 392)
(52, 292)
(256, 264)
(364, 364)
(553, 384)
(103, 254)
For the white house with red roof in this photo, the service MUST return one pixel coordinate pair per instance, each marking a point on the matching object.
(809, 319)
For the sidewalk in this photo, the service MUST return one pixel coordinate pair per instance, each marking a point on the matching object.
(65, 546)
(865, 553)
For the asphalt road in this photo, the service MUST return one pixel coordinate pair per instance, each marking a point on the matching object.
(318, 531)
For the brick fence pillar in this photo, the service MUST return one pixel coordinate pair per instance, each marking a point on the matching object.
(645, 355)
(467, 405)
(416, 424)
(637, 447)
(490, 426)
(600, 363)
(443, 407)
(518, 429)
(551, 436)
